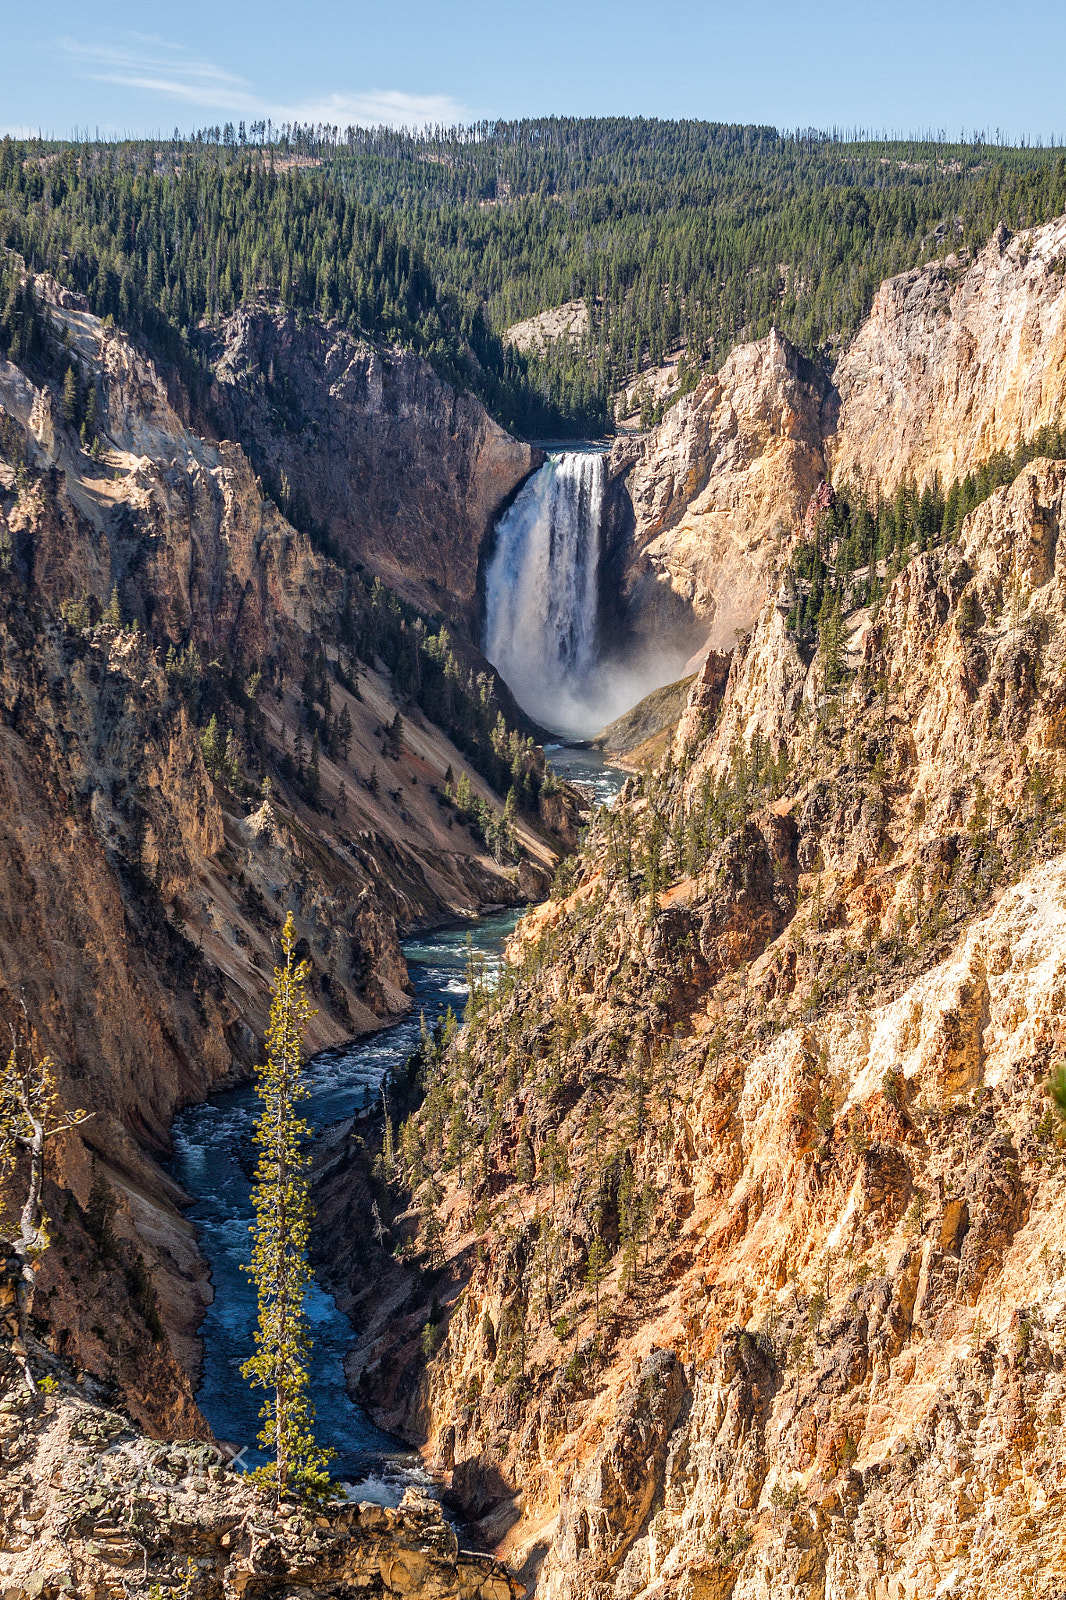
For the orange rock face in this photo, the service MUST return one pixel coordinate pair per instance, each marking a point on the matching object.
(790, 1318)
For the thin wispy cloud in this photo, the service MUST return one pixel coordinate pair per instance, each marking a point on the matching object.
(390, 106)
(171, 72)
(159, 68)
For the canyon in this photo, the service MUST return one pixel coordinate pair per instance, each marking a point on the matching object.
(141, 895)
(749, 1281)
(725, 1249)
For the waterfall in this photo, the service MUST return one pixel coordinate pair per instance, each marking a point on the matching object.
(542, 593)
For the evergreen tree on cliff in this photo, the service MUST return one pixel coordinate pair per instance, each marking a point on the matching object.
(31, 1113)
(281, 1234)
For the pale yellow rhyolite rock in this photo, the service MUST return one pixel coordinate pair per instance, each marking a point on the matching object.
(718, 487)
(954, 364)
(567, 322)
(951, 365)
(891, 1158)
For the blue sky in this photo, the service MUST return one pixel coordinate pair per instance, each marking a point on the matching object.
(123, 67)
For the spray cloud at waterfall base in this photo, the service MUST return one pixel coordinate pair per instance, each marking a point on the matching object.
(542, 605)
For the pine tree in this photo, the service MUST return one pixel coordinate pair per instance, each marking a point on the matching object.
(231, 758)
(596, 1270)
(281, 1234)
(554, 1163)
(464, 796)
(344, 732)
(523, 1170)
(314, 779)
(831, 640)
(413, 1155)
(70, 397)
(388, 1148)
(213, 746)
(457, 1139)
(113, 610)
(31, 1113)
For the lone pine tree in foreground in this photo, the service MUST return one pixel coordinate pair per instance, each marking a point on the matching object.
(281, 1232)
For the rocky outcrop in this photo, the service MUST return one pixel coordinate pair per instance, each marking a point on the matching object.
(717, 490)
(568, 323)
(704, 700)
(955, 363)
(93, 1510)
(608, 1505)
(759, 700)
(641, 733)
(404, 473)
(965, 694)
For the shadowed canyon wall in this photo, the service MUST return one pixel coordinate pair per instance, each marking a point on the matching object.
(404, 473)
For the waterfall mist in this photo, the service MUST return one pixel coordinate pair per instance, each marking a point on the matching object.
(542, 593)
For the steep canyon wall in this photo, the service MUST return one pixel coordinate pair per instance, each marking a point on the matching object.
(788, 1318)
(405, 473)
(955, 362)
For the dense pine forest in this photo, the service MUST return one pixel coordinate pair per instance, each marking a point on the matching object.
(675, 234)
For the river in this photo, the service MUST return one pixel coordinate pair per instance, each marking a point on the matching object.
(213, 1161)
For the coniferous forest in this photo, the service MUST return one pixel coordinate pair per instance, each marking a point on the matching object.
(675, 234)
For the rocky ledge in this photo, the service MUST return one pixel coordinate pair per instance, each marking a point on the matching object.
(92, 1509)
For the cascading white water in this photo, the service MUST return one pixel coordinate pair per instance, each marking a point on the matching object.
(542, 593)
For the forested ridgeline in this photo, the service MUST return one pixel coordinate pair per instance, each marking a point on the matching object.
(687, 232)
(164, 241)
(674, 233)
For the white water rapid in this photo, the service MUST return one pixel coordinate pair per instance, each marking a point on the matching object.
(542, 594)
